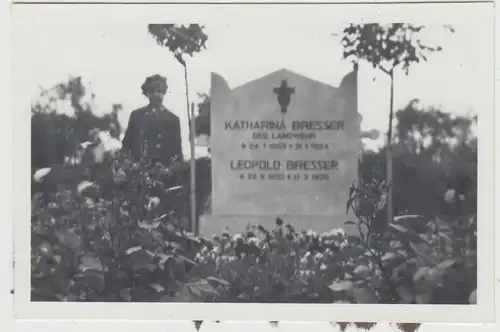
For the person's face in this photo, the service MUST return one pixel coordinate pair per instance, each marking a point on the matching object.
(156, 94)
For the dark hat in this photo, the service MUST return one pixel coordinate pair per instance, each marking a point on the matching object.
(152, 81)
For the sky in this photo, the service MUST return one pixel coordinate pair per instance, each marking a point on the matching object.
(114, 58)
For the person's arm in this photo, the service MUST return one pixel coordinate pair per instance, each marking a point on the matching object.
(128, 138)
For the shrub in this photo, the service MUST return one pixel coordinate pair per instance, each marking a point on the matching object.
(280, 265)
(109, 233)
(416, 260)
(410, 260)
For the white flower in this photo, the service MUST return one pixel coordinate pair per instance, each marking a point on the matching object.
(253, 240)
(449, 196)
(311, 233)
(216, 250)
(318, 257)
(98, 153)
(153, 202)
(85, 144)
(305, 258)
(83, 185)
(338, 232)
(237, 236)
(110, 144)
(41, 173)
(322, 267)
(89, 202)
(344, 244)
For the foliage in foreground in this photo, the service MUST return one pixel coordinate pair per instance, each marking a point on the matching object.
(118, 239)
(114, 238)
(411, 260)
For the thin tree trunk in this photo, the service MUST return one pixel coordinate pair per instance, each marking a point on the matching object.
(192, 161)
(194, 222)
(389, 175)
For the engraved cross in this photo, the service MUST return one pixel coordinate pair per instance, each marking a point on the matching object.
(284, 92)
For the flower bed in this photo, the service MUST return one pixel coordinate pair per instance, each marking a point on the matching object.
(108, 232)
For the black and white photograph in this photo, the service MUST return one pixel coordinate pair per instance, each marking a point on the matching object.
(247, 154)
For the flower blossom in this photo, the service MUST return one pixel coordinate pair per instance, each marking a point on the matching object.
(449, 196)
(153, 202)
(337, 232)
(254, 241)
(305, 258)
(83, 185)
(41, 173)
(311, 233)
(318, 257)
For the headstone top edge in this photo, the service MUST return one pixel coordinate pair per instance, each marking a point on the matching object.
(349, 78)
(219, 80)
(285, 71)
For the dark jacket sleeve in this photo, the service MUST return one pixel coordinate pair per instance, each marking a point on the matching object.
(128, 138)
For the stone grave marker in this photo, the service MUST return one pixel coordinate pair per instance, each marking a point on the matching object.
(283, 145)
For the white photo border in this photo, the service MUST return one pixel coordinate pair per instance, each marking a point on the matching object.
(441, 13)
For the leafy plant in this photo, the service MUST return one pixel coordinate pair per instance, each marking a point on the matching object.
(414, 259)
(179, 39)
(280, 265)
(111, 237)
(387, 48)
(183, 40)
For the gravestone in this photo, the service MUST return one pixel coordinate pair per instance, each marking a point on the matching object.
(285, 146)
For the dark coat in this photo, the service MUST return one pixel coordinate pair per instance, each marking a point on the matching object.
(155, 132)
